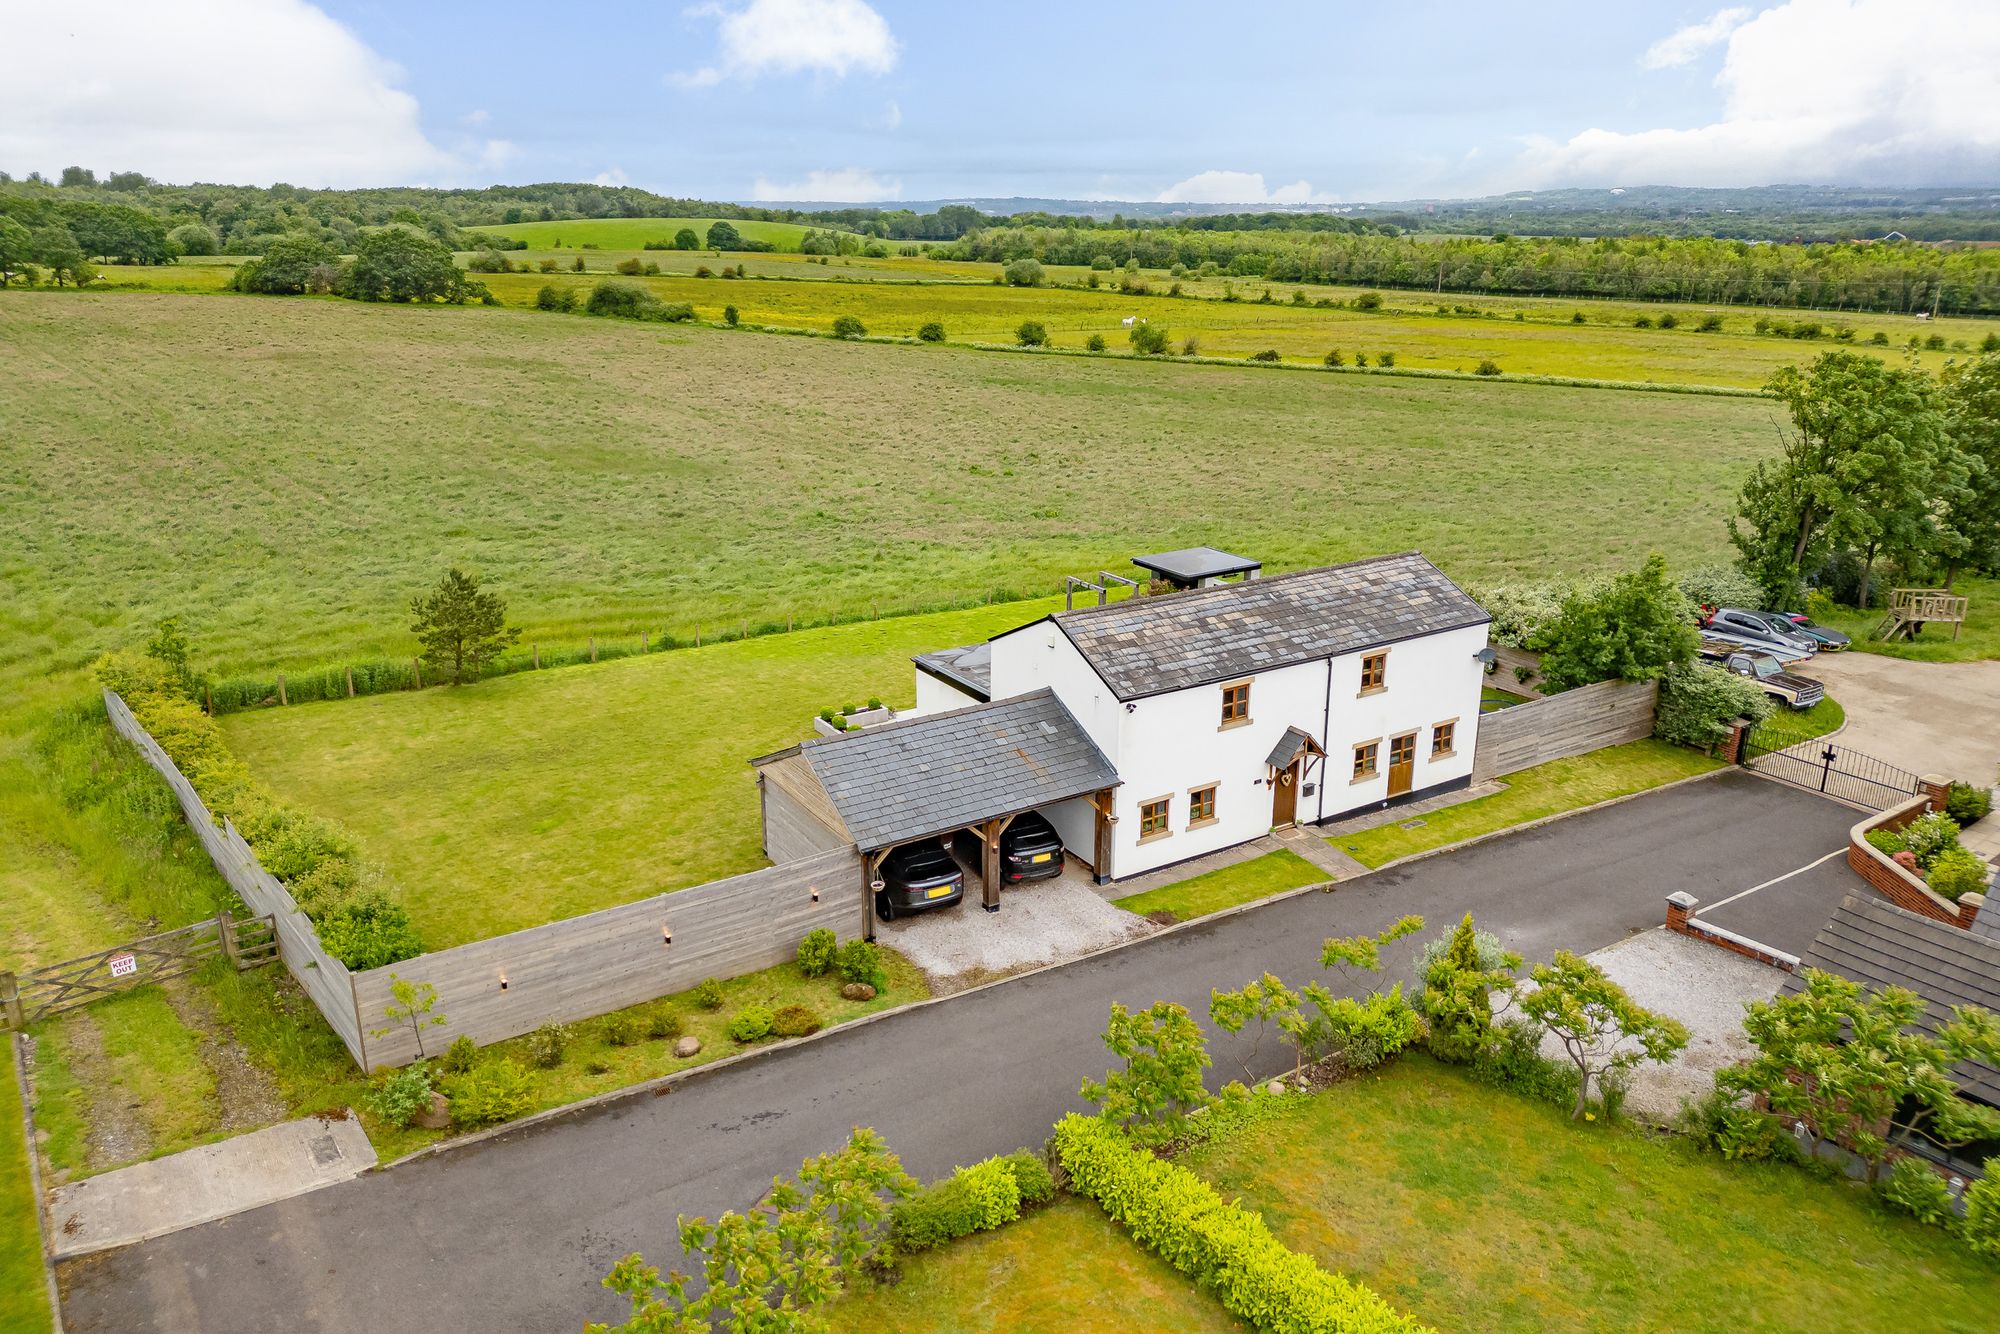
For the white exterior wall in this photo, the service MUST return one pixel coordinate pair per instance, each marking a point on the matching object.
(1428, 681)
(935, 696)
(1041, 655)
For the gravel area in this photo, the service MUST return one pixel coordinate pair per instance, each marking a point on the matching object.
(1703, 986)
(1037, 924)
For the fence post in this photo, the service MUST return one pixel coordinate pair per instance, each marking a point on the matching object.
(537, 649)
(208, 697)
(281, 689)
(350, 683)
(644, 647)
(10, 1002)
(226, 929)
(593, 648)
(417, 666)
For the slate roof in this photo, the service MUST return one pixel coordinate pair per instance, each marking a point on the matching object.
(1873, 942)
(1150, 645)
(1288, 747)
(969, 668)
(943, 771)
(1192, 563)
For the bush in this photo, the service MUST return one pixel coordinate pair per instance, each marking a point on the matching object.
(1024, 273)
(817, 951)
(552, 297)
(1368, 301)
(1709, 324)
(547, 266)
(664, 1023)
(1967, 804)
(629, 301)
(1515, 1062)
(1361, 358)
(548, 1045)
(795, 1021)
(632, 268)
(848, 326)
(1888, 842)
(1031, 334)
(1981, 1225)
(1488, 366)
(933, 332)
(1223, 1247)
(861, 961)
(486, 1097)
(751, 1023)
(1929, 836)
(972, 1199)
(1643, 322)
(1334, 359)
(1191, 346)
(1268, 354)
(1698, 702)
(1956, 873)
(1148, 340)
(399, 1095)
(730, 316)
(193, 238)
(1913, 1188)
(1631, 629)
(707, 993)
(1094, 343)
(1718, 586)
(623, 1030)
(369, 930)
(458, 1057)
(1575, 316)
(1718, 1122)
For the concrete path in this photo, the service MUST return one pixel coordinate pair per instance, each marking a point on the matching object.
(515, 1232)
(1927, 717)
(204, 1184)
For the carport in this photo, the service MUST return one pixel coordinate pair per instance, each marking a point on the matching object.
(977, 768)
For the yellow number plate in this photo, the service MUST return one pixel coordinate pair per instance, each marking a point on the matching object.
(1043, 856)
(940, 892)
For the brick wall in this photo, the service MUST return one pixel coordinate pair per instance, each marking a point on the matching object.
(1894, 883)
(1680, 917)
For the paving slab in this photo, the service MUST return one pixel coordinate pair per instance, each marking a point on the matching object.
(203, 1184)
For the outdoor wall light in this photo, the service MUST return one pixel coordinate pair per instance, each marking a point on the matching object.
(503, 981)
(877, 885)
(815, 893)
(666, 934)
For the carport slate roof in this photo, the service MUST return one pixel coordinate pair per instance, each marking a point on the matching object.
(1875, 943)
(943, 771)
(1151, 645)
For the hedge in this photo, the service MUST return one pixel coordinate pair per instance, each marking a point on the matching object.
(986, 1195)
(1226, 1249)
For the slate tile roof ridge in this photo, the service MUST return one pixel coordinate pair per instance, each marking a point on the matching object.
(1190, 594)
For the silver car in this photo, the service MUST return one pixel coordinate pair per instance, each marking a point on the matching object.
(1778, 637)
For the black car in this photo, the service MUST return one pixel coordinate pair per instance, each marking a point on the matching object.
(1826, 636)
(1030, 849)
(918, 876)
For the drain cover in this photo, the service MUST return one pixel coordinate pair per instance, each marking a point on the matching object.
(325, 1152)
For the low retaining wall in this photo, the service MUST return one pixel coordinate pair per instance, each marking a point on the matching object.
(1681, 907)
(1556, 727)
(1891, 881)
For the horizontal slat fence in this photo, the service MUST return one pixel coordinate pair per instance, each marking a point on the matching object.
(606, 960)
(1555, 727)
(323, 977)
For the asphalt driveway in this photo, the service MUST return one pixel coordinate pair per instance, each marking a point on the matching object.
(514, 1233)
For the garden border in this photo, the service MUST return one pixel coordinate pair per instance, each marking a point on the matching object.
(34, 1154)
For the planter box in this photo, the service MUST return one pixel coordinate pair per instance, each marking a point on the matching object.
(856, 721)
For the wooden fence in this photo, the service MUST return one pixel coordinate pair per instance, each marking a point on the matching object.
(1557, 726)
(41, 992)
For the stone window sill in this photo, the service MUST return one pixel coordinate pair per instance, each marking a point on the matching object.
(1203, 824)
(1155, 837)
(1230, 726)
(1359, 779)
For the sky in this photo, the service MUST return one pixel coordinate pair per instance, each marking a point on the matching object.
(876, 101)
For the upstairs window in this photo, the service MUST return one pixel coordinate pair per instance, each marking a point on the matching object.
(1236, 703)
(1374, 672)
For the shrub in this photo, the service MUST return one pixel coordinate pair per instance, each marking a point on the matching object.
(1361, 358)
(1981, 1225)
(861, 961)
(1101, 263)
(933, 332)
(1888, 842)
(631, 267)
(1191, 346)
(1268, 354)
(1643, 322)
(1385, 359)
(1024, 273)
(707, 993)
(700, 271)
(556, 298)
(399, 1095)
(1515, 1062)
(1148, 340)
(972, 1199)
(1956, 873)
(1717, 1121)
(1577, 317)
(1164, 1053)
(1223, 1247)
(849, 326)
(1487, 366)
(1670, 320)
(1966, 803)
(1929, 836)
(751, 1023)
(1698, 702)
(1094, 343)
(369, 930)
(1631, 629)
(623, 1030)
(458, 1057)
(1334, 359)
(663, 1024)
(577, 264)
(1031, 334)
(1459, 974)
(629, 301)
(1709, 324)
(795, 1021)
(817, 951)
(1914, 1189)
(1718, 586)
(488, 1096)
(548, 1045)
(730, 316)
(1368, 301)
(547, 266)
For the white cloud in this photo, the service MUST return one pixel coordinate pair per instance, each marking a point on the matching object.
(1237, 187)
(615, 176)
(496, 153)
(243, 91)
(476, 117)
(833, 37)
(1681, 48)
(892, 116)
(1882, 92)
(850, 185)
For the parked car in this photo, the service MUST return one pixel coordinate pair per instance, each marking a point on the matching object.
(1825, 636)
(1788, 688)
(1030, 849)
(916, 878)
(1773, 634)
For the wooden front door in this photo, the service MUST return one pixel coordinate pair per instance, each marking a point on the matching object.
(1402, 762)
(1285, 797)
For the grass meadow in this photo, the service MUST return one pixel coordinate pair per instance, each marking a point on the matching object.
(633, 233)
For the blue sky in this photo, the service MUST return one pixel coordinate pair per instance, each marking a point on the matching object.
(786, 99)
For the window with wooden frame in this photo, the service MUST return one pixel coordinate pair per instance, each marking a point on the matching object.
(1153, 818)
(1365, 756)
(1444, 738)
(1374, 672)
(1201, 806)
(1236, 704)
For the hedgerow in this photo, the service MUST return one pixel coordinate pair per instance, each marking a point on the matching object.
(1226, 1249)
(972, 1199)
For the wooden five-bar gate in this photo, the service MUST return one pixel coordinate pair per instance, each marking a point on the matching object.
(41, 992)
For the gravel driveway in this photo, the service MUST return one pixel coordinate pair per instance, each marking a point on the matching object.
(1041, 923)
(1928, 717)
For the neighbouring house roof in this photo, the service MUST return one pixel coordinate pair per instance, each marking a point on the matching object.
(1873, 942)
(1150, 645)
(1289, 745)
(930, 775)
(969, 669)
(1190, 564)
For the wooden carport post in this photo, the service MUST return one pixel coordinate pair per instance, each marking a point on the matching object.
(871, 866)
(1100, 865)
(989, 871)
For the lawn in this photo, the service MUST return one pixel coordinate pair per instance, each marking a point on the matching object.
(1546, 789)
(1245, 882)
(1066, 1268)
(633, 233)
(1978, 638)
(24, 1293)
(1472, 1208)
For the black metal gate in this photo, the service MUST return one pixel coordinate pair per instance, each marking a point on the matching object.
(1820, 765)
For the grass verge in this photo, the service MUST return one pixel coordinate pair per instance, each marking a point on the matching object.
(1546, 789)
(1823, 717)
(24, 1301)
(1212, 891)
(1472, 1208)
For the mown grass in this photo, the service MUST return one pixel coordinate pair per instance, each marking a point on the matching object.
(1471, 1208)
(633, 233)
(24, 1292)
(1823, 717)
(1226, 887)
(1066, 1267)
(1546, 789)
(1978, 638)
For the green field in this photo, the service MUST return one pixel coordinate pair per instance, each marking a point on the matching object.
(633, 233)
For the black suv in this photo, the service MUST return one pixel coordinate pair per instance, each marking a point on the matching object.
(918, 876)
(1030, 849)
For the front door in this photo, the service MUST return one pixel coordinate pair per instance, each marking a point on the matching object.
(1285, 797)
(1402, 762)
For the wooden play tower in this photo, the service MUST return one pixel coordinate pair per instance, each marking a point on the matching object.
(1910, 609)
